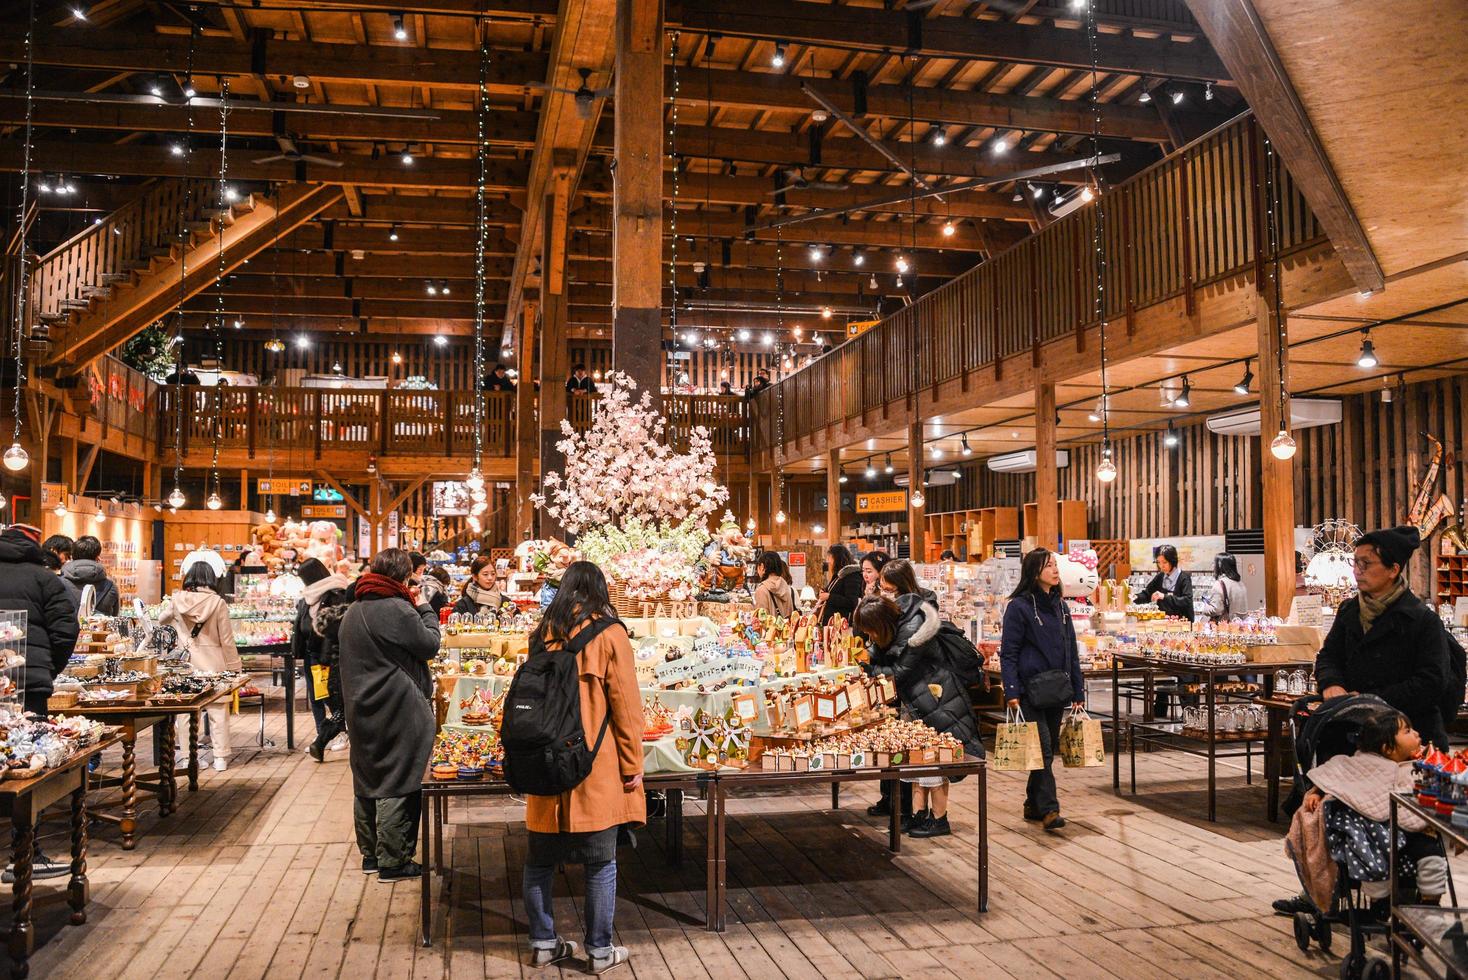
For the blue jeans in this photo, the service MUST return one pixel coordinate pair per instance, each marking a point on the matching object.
(601, 903)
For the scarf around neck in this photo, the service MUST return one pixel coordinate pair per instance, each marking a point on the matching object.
(1371, 607)
(374, 586)
(481, 596)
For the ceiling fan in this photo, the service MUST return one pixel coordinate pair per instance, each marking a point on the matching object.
(289, 152)
(795, 181)
(586, 96)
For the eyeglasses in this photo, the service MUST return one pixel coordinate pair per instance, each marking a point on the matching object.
(1361, 564)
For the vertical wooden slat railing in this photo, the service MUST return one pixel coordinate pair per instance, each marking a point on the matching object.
(1185, 222)
(116, 246)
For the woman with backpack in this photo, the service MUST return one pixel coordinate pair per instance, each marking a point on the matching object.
(904, 635)
(1041, 669)
(773, 594)
(582, 825)
(201, 617)
(387, 637)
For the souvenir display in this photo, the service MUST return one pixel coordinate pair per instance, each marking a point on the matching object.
(458, 754)
(892, 743)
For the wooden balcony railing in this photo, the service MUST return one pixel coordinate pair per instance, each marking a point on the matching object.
(1190, 220)
(120, 244)
(394, 423)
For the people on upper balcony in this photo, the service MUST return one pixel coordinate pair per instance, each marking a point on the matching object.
(580, 381)
(759, 384)
(498, 380)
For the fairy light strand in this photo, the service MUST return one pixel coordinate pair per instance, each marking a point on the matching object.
(224, 208)
(482, 222)
(22, 286)
(677, 187)
(1098, 233)
(185, 205)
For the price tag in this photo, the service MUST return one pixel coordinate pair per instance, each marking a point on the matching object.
(671, 671)
(711, 670)
(745, 669)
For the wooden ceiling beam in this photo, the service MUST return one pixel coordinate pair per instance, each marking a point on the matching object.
(881, 30)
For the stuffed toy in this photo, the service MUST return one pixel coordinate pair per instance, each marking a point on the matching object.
(322, 543)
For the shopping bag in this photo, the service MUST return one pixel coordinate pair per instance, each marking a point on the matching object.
(1080, 740)
(318, 682)
(1017, 744)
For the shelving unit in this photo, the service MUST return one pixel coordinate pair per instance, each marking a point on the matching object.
(970, 534)
(1428, 936)
(1452, 577)
(1072, 519)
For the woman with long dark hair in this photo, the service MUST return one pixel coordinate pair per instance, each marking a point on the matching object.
(773, 594)
(582, 826)
(1229, 599)
(481, 589)
(1041, 669)
(872, 564)
(844, 586)
(898, 578)
(201, 617)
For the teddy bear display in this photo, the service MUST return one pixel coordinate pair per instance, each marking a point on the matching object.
(323, 543)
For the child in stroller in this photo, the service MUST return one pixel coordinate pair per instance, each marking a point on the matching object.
(1340, 838)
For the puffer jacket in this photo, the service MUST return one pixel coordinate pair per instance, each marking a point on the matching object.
(843, 593)
(28, 586)
(82, 572)
(919, 661)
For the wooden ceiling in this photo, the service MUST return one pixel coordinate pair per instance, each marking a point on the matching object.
(361, 83)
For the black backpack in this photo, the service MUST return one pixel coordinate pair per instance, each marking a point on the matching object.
(545, 745)
(1452, 699)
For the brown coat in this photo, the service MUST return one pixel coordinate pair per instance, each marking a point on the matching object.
(608, 683)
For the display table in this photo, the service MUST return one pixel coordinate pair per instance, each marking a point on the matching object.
(1279, 753)
(1206, 742)
(23, 800)
(288, 667)
(134, 719)
(719, 785)
(1427, 936)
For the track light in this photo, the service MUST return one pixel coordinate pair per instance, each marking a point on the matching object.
(399, 29)
(1037, 192)
(967, 450)
(188, 90)
(901, 264)
(1018, 197)
(1183, 399)
(937, 451)
(1208, 92)
(859, 258)
(1145, 97)
(1099, 412)
(157, 89)
(431, 288)
(441, 340)
(1177, 97)
(408, 156)
(871, 471)
(1243, 386)
(743, 336)
(1170, 440)
(827, 313)
(842, 477)
(80, 13)
(1001, 147)
(887, 467)
(940, 138)
(1367, 357)
(815, 253)
(302, 341)
(768, 339)
(176, 149)
(392, 233)
(779, 57)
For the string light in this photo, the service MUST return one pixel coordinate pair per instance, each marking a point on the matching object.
(1282, 446)
(672, 139)
(475, 479)
(15, 458)
(1106, 470)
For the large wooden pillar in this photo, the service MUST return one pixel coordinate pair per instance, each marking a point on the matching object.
(527, 428)
(1047, 478)
(1278, 475)
(554, 356)
(833, 496)
(916, 529)
(637, 196)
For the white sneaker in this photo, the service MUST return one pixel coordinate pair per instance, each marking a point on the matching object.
(338, 744)
(220, 764)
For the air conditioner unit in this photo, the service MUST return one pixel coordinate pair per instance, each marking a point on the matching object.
(1025, 462)
(1305, 413)
(933, 478)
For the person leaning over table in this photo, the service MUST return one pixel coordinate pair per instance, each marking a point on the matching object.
(585, 825)
(1039, 662)
(387, 639)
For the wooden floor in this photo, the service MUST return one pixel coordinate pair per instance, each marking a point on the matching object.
(257, 876)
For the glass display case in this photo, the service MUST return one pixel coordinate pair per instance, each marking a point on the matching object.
(12, 667)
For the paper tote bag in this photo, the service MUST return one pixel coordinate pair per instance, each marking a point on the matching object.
(1080, 741)
(1017, 744)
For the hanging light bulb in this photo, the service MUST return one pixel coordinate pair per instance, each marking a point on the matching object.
(3, 501)
(872, 283)
(1106, 472)
(214, 503)
(397, 358)
(948, 229)
(1087, 194)
(101, 516)
(1282, 446)
(475, 479)
(270, 515)
(16, 458)
(59, 510)
(918, 499)
(901, 263)
(780, 516)
(176, 499)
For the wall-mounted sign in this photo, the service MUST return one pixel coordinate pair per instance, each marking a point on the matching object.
(886, 501)
(450, 499)
(52, 494)
(325, 494)
(293, 488)
(324, 512)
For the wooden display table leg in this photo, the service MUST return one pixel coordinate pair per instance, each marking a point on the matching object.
(167, 780)
(894, 819)
(983, 830)
(835, 796)
(129, 822)
(78, 890)
(194, 752)
(22, 939)
(425, 908)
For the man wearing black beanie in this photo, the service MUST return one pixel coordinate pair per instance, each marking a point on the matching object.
(1388, 642)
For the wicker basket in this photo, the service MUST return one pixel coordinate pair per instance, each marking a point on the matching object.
(626, 606)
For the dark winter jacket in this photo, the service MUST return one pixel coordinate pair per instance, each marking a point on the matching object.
(1178, 603)
(1403, 661)
(327, 625)
(843, 593)
(918, 657)
(385, 648)
(87, 571)
(51, 624)
(1037, 636)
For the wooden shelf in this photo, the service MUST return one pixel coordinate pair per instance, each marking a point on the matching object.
(1452, 577)
(969, 534)
(1071, 520)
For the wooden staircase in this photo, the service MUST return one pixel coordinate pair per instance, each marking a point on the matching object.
(97, 290)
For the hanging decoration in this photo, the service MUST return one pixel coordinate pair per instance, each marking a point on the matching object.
(677, 187)
(15, 458)
(1106, 469)
(223, 197)
(176, 498)
(1283, 445)
(475, 480)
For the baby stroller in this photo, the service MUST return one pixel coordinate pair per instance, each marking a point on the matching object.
(1324, 729)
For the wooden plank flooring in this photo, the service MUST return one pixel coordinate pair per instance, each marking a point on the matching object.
(257, 876)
